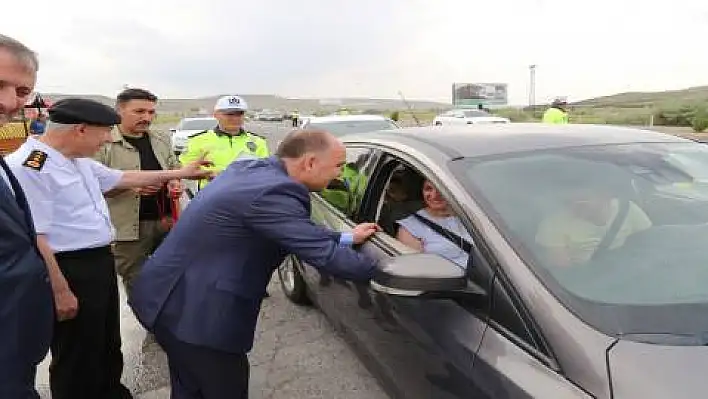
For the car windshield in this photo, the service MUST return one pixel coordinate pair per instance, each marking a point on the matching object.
(341, 128)
(619, 233)
(475, 114)
(197, 124)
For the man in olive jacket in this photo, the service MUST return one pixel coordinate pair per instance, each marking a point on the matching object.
(142, 217)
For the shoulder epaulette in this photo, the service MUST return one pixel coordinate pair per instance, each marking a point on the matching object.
(35, 160)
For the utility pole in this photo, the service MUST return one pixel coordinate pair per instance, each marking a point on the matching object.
(532, 88)
(410, 108)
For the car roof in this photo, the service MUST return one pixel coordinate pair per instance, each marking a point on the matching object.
(346, 118)
(496, 139)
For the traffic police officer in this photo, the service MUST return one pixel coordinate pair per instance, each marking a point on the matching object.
(229, 141)
(557, 113)
(74, 233)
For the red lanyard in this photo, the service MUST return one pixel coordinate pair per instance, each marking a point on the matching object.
(174, 197)
(175, 207)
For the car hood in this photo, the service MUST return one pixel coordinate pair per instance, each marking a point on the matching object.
(487, 119)
(673, 369)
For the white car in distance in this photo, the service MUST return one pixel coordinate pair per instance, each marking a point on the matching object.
(467, 117)
(339, 125)
(187, 128)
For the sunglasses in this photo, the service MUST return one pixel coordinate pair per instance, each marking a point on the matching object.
(239, 113)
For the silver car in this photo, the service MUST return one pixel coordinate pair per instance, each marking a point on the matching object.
(187, 128)
(587, 273)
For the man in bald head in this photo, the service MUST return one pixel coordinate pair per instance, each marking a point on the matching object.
(200, 293)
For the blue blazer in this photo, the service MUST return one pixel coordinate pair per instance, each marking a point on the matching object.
(26, 300)
(206, 281)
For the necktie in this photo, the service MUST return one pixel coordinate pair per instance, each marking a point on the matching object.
(5, 184)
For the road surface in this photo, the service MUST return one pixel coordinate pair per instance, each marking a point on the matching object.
(297, 353)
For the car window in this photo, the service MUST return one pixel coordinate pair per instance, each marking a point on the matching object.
(197, 124)
(340, 128)
(346, 192)
(397, 193)
(616, 232)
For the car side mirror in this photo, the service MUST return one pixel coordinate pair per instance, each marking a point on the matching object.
(173, 130)
(422, 275)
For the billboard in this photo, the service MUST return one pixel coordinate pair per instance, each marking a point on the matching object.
(472, 94)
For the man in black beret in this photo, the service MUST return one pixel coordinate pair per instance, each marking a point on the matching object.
(73, 111)
(65, 189)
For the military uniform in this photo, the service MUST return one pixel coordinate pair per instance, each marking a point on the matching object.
(65, 196)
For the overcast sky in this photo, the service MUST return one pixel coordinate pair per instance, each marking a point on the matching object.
(372, 48)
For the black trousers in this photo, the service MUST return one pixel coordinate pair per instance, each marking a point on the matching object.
(19, 383)
(87, 362)
(198, 372)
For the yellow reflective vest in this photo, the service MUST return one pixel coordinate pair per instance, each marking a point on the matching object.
(223, 148)
(555, 116)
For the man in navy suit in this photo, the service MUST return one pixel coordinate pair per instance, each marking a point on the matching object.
(26, 306)
(201, 291)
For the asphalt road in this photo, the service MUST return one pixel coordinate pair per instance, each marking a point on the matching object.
(297, 353)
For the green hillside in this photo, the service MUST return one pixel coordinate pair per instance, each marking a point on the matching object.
(671, 98)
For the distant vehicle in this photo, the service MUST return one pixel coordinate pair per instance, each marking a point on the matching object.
(305, 118)
(187, 128)
(271, 116)
(340, 125)
(467, 117)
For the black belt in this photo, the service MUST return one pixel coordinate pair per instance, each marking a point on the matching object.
(84, 253)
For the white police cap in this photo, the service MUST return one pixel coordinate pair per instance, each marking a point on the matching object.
(231, 103)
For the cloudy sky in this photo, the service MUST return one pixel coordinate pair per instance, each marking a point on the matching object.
(372, 48)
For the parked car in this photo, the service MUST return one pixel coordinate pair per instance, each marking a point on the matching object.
(467, 117)
(187, 128)
(340, 125)
(270, 116)
(624, 320)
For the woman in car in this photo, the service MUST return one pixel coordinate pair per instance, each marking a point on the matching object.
(415, 230)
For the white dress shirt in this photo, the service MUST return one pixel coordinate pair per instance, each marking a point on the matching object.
(66, 197)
